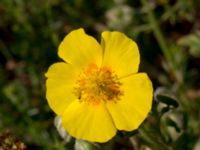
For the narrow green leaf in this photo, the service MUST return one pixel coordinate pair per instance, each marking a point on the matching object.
(167, 100)
(172, 123)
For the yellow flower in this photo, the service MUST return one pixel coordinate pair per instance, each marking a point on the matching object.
(97, 90)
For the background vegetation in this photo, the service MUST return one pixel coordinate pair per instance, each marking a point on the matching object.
(168, 35)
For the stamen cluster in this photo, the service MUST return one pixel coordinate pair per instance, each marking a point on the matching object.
(96, 84)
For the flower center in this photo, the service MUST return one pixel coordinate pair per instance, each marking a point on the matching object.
(97, 84)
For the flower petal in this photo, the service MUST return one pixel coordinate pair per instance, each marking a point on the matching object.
(60, 83)
(80, 49)
(131, 110)
(88, 122)
(120, 53)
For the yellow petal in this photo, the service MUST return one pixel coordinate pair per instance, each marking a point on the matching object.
(88, 122)
(133, 107)
(80, 49)
(60, 83)
(120, 53)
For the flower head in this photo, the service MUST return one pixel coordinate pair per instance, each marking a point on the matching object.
(97, 90)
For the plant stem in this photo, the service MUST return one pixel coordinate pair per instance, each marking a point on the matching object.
(156, 143)
(158, 34)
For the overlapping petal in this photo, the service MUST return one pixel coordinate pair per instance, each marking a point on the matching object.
(80, 49)
(130, 111)
(60, 86)
(120, 53)
(88, 122)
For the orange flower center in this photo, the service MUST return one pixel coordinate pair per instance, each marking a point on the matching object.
(97, 84)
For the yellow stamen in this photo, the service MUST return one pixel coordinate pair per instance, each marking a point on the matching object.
(98, 84)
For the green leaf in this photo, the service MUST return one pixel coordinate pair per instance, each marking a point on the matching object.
(172, 123)
(167, 100)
